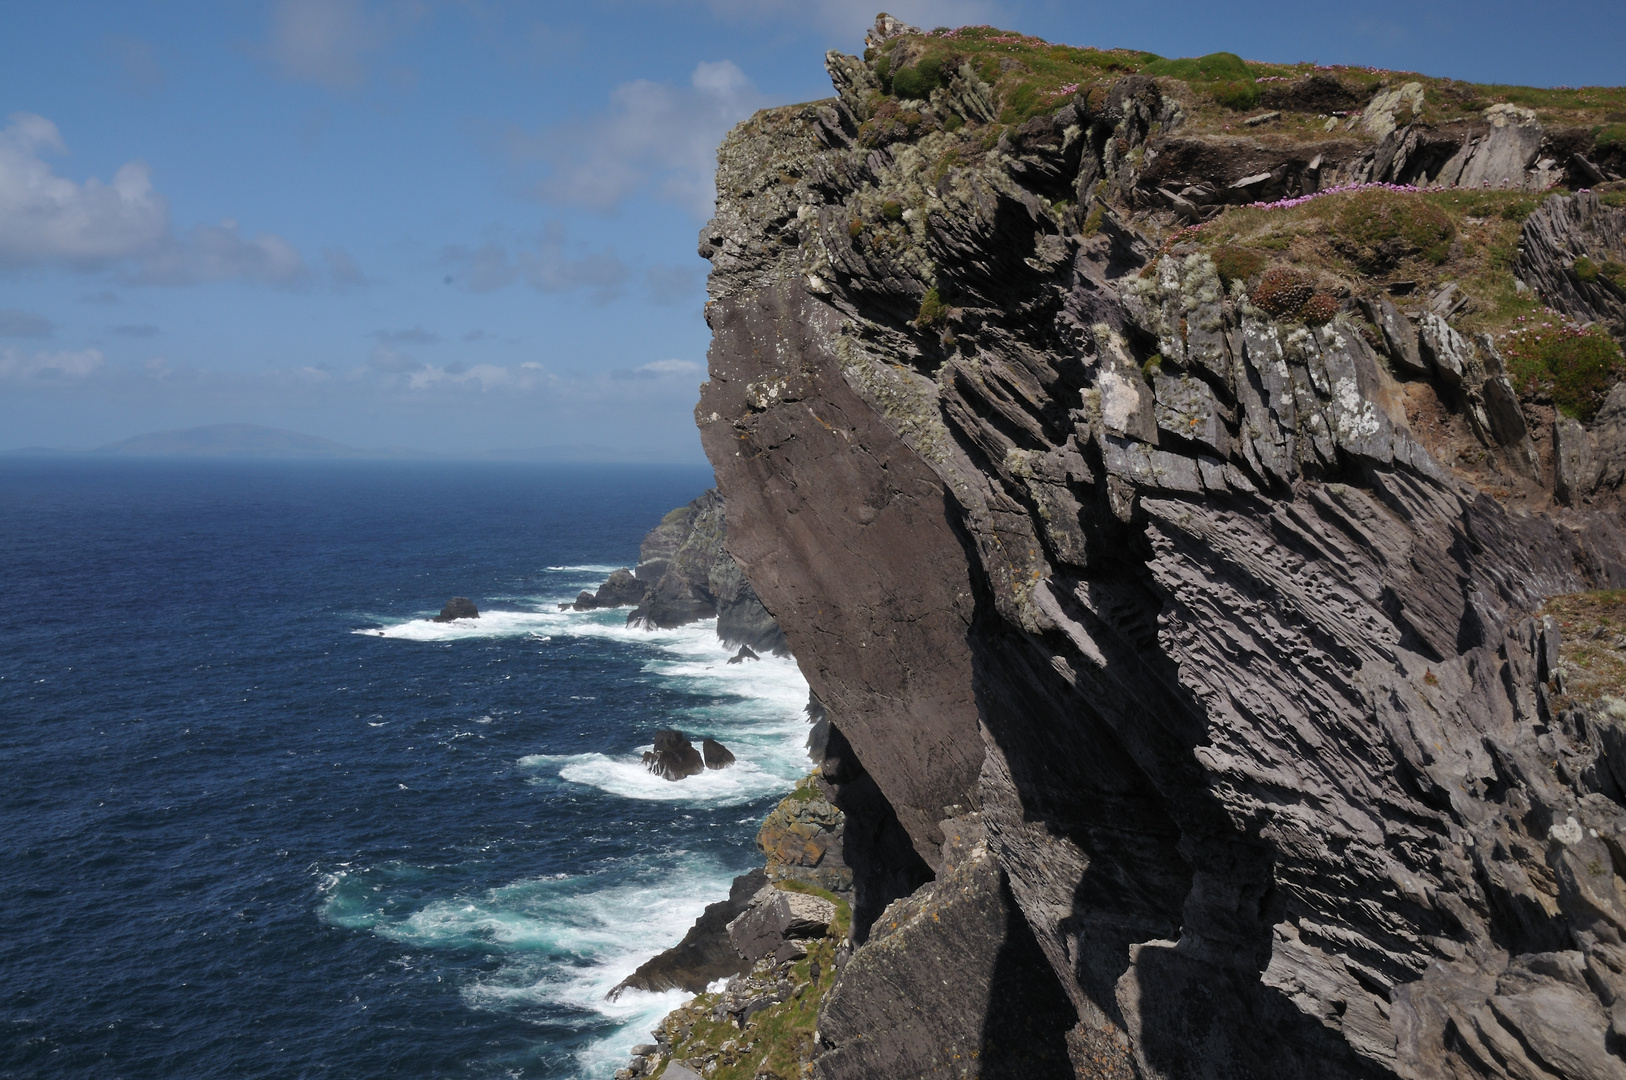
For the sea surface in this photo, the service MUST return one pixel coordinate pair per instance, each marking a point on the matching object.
(261, 818)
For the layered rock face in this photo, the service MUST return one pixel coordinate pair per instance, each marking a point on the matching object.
(1174, 605)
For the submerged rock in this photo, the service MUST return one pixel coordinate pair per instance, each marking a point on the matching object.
(743, 655)
(458, 607)
(674, 756)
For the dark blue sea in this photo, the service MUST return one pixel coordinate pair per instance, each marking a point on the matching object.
(263, 819)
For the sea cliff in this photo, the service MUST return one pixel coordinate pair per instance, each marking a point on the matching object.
(1171, 477)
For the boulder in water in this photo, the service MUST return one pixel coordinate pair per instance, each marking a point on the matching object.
(458, 607)
(717, 755)
(745, 653)
(620, 589)
(674, 756)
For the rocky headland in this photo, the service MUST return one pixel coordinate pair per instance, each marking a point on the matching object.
(1192, 489)
(685, 574)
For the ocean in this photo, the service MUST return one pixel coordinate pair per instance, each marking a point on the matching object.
(264, 819)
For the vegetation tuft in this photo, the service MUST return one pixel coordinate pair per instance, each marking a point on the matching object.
(1572, 366)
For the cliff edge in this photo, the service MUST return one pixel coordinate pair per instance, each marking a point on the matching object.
(1161, 471)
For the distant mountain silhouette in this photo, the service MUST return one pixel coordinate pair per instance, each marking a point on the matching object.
(230, 440)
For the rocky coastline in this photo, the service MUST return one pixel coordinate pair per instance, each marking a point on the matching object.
(1193, 493)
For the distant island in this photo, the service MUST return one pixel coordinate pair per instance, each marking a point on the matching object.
(258, 441)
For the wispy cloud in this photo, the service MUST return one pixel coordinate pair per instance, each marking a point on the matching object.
(220, 253)
(138, 63)
(415, 336)
(326, 42)
(14, 322)
(137, 330)
(653, 137)
(17, 366)
(549, 265)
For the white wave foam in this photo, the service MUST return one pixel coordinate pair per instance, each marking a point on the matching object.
(589, 568)
(564, 941)
(740, 783)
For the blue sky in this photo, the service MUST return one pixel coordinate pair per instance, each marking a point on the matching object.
(458, 225)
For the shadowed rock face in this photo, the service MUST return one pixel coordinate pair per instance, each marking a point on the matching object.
(1238, 681)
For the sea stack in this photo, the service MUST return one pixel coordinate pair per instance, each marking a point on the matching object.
(458, 607)
(674, 756)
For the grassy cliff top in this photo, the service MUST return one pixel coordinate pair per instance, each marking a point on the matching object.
(1031, 75)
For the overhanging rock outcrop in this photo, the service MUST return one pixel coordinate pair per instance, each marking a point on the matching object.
(1167, 595)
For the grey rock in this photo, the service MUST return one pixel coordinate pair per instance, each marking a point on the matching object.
(716, 755)
(620, 589)
(674, 756)
(1398, 334)
(1563, 227)
(704, 955)
(1447, 351)
(1609, 437)
(1505, 153)
(1575, 472)
(458, 607)
(775, 918)
(677, 1070)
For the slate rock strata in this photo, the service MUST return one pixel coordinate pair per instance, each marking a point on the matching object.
(1238, 681)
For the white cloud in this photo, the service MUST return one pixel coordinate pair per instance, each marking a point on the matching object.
(527, 376)
(325, 41)
(49, 218)
(343, 269)
(652, 137)
(47, 367)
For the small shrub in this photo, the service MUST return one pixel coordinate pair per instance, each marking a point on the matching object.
(1021, 103)
(918, 81)
(1573, 366)
(892, 210)
(1586, 269)
(1320, 308)
(1610, 136)
(1238, 95)
(1378, 228)
(1237, 264)
(932, 310)
(1092, 220)
(855, 228)
(1283, 293)
(1615, 272)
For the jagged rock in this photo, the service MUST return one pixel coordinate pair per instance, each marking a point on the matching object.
(802, 839)
(952, 980)
(743, 655)
(620, 589)
(1562, 228)
(691, 576)
(716, 755)
(773, 921)
(458, 607)
(1446, 351)
(1398, 334)
(1575, 473)
(1257, 737)
(1502, 156)
(674, 756)
(703, 956)
(1609, 437)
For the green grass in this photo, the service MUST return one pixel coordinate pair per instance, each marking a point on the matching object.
(1576, 367)
(932, 310)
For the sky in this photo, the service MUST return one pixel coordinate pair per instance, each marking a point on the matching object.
(455, 226)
